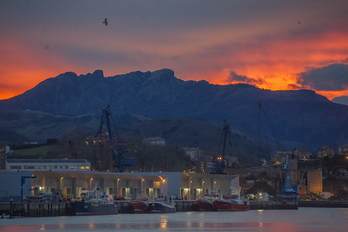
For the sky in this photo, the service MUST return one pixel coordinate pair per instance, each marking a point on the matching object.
(272, 44)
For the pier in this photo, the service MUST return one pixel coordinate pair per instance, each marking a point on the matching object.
(265, 205)
(49, 209)
(35, 209)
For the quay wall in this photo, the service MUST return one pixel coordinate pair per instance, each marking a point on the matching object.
(273, 205)
(35, 209)
(323, 204)
(39, 209)
(181, 206)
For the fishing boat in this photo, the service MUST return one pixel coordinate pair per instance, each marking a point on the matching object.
(231, 203)
(4, 216)
(161, 207)
(94, 202)
(206, 203)
(139, 205)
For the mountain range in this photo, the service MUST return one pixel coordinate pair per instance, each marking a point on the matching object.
(295, 118)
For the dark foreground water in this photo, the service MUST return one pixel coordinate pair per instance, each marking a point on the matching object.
(303, 219)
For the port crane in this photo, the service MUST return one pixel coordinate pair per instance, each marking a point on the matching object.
(220, 158)
(118, 149)
(288, 191)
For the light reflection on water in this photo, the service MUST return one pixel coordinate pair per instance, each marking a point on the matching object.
(164, 222)
(304, 219)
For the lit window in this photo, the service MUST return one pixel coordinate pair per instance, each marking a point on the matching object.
(157, 184)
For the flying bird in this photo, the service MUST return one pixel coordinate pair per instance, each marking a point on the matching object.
(106, 22)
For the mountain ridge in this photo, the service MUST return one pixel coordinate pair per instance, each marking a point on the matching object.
(300, 117)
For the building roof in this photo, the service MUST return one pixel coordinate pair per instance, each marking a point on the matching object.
(300, 149)
(47, 161)
(325, 148)
(154, 139)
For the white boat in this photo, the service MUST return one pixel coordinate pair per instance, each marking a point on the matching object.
(161, 206)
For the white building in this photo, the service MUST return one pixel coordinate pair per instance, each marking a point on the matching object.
(193, 152)
(155, 141)
(302, 153)
(48, 165)
(326, 151)
(343, 150)
(70, 184)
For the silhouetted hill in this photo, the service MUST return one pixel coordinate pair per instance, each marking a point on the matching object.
(300, 118)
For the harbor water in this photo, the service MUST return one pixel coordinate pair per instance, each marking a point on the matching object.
(303, 219)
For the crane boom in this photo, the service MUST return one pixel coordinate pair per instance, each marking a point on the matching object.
(220, 159)
(276, 144)
(288, 190)
(118, 149)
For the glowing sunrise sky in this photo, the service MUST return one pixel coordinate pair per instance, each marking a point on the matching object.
(272, 44)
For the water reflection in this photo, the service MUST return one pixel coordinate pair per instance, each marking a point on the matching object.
(61, 226)
(163, 223)
(253, 220)
(91, 226)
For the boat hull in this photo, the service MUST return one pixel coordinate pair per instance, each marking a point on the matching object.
(161, 207)
(222, 205)
(205, 205)
(92, 208)
(138, 207)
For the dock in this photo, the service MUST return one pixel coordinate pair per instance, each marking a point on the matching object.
(50, 209)
(265, 205)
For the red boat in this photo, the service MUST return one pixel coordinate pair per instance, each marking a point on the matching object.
(139, 206)
(206, 203)
(231, 203)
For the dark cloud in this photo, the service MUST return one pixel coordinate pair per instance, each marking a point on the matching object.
(293, 86)
(234, 77)
(333, 77)
(341, 100)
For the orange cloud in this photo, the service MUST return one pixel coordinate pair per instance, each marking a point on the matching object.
(277, 61)
(24, 66)
(270, 62)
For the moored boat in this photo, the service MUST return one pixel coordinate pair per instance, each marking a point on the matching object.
(206, 203)
(139, 205)
(231, 203)
(161, 207)
(94, 203)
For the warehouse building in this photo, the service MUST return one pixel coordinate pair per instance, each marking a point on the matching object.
(69, 184)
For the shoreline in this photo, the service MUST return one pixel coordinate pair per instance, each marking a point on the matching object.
(323, 204)
(62, 209)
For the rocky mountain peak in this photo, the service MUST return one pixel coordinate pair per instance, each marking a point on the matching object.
(300, 117)
(96, 74)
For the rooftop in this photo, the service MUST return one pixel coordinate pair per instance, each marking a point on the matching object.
(47, 161)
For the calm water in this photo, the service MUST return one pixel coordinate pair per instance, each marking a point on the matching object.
(304, 219)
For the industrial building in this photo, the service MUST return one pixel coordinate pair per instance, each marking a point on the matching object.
(48, 165)
(69, 184)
